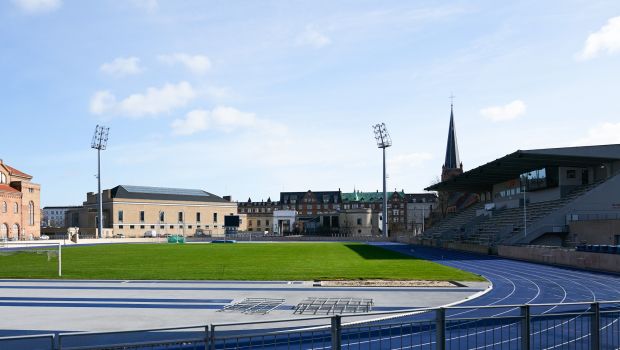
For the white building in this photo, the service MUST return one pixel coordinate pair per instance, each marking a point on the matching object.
(56, 216)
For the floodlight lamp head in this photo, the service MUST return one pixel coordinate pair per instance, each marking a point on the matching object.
(382, 136)
(100, 137)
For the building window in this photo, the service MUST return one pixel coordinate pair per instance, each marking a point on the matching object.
(120, 215)
(266, 222)
(131, 227)
(4, 229)
(162, 216)
(214, 218)
(120, 226)
(141, 216)
(171, 227)
(142, 227)
(162, 227)
(15, 208)
(2, 178)
(152, 226)
(257, 223)
(359, 221)
(571, 174)
(180, 216)
(31, 213)
(189, 226)
(197, 217)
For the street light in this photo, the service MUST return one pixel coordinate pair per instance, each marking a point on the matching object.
(383, 141)
(524, 180)
(100, 142)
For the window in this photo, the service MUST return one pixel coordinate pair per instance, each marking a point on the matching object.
(120, 215)
(171, 227)
(15, 231)
(4, 207)
(266, 222)
(142, 227)
(31, 190)
(15, 208)
(571, 174)
(189, 226)
(359, 221)
(4, 230)
(162, 227)
(131, 227)
(141, 216)
(152, 226)
(120, 226)
(197, 217)
(2, 178)
(214, 217)
(31, 213)
(257, 222)
(395, 212)
(162, 216)
(180, 216)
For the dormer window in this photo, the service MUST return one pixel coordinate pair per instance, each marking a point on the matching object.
(3, 179)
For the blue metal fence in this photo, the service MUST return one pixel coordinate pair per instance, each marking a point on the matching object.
(545, 326)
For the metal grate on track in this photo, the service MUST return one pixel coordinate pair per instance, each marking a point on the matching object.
(326, 306)
(254, 305)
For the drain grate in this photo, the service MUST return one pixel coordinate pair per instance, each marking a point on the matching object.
(254, 305)
(326, 306)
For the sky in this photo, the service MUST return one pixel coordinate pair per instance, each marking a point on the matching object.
(251, 98)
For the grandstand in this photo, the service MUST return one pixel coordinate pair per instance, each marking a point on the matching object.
(533, 196)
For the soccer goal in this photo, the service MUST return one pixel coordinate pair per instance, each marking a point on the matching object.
(30, 259)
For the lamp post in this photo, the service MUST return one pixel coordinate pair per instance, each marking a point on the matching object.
(383, 141)
(524, 179)
(100, 142)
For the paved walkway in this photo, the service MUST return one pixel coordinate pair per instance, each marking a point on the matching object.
(50, 306)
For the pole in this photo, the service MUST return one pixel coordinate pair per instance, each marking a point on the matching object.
(524, 210)
(100, 226)
(385, 229)
(59, 259)
(422, 219)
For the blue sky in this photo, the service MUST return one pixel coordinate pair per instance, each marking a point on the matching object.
(250, 98)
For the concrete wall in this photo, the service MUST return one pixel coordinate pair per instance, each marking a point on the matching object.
(595, 232)
(565, 257)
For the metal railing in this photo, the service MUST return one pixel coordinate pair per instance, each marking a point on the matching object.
(587, 325)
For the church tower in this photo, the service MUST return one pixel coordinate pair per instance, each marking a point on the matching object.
(452, 165)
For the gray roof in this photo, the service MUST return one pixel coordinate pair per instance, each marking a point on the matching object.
(164, 193)
(513, 165)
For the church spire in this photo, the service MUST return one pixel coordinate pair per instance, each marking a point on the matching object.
(453, 160)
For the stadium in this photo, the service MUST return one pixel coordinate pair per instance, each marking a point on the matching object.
(544, 205)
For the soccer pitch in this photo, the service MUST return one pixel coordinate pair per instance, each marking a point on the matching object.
(258, 261)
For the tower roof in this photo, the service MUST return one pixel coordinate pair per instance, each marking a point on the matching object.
(453, 160)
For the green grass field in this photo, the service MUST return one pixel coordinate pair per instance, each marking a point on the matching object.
(268, 261)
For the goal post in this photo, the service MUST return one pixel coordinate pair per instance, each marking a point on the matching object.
(30, 259)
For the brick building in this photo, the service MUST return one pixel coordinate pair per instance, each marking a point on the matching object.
(20, 205)
(317, 212)
(259, 214)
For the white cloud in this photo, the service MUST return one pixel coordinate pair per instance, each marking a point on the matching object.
(198, 64)
(121, 66)
(222, 118)
(601, 134)
(504, 113)
(312, 37)
(102, 102)
(606, 39)
(153, 102)
(37, 6)
(195, 121)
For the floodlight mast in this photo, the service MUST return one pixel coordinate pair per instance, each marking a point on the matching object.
(383, 141)
(100, 142)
